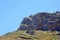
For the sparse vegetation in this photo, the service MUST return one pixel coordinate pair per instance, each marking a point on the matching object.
(39, 35)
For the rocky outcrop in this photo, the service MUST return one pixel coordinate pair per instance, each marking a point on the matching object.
(42, 21)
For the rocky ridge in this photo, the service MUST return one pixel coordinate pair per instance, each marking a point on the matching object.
(42, 21)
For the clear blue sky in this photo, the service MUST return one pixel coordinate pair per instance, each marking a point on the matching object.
(13, 11)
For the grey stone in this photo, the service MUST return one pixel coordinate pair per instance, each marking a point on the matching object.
(30, 32)
(41, 21)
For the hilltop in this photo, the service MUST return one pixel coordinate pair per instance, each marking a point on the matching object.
(41, 21)
(41, 26)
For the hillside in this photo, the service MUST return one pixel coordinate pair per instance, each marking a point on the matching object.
(41, 26)
(38, 35)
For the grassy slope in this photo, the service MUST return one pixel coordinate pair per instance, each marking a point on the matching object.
(39, 35)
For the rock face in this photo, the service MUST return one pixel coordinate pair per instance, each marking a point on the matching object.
(42, 21)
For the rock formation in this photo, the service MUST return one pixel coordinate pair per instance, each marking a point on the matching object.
(42, 21)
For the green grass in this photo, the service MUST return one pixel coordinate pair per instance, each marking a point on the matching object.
(39, 35)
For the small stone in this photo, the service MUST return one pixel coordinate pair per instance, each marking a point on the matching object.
(30, 32)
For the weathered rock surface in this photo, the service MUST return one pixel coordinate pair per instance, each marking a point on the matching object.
(42, 21)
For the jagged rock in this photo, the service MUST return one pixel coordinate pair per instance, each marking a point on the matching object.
(42, 21)
(23, 27)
